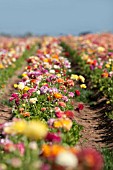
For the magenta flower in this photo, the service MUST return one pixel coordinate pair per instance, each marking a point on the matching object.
(14, 96)
(52, 137)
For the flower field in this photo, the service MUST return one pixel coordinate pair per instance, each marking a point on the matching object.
(94, 55)
(59, 78)
(11, 50)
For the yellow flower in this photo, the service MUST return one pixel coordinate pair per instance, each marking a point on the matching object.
(23, 105)
(65, 123)
(100, 49)
(83, 86)
(36, 130)
(1, 66)
(15, 85)
(24, 75)
(59, 75)
(82, 79)
(17, 127)
(107, 65)
(74, 77)
(26, 88)
(85, 56)
(108, 102)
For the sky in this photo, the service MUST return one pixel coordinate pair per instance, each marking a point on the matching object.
(54, 17)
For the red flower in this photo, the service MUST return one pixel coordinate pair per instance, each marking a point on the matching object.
(28, 47)
(90, 159)
(69, 114)
(77, 92)
(80, 106)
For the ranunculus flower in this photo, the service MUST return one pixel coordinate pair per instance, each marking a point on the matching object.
(69, 114)
(77, 92)
(59, 114)
(67, 159)
(80, 107)
(52, 137)
(62, 104)
(90, 158)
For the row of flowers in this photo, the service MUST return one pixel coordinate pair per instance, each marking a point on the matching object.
(95, 53)
(44, 133)
(13, 52)
(12, 48)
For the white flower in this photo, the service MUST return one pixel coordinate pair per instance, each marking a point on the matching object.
(38, 92)
(33, 100)
(21, 86)
(52, 71)
(56, 66)
(67, 159)
(33, 145)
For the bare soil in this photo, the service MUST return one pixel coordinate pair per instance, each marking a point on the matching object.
(5, 93)
(97, 127)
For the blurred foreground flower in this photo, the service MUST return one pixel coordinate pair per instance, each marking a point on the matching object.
(34, 129)
(67, 159)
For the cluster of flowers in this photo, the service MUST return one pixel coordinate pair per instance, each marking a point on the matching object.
(46, 92)
(12, 48)
(96, 50)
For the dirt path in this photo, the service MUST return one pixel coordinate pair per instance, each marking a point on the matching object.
(5, 111)
(97, 127)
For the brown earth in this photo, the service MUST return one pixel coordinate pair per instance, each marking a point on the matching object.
(97, 127)
(5, 93)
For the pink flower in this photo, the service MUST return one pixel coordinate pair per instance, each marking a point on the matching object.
(59, 114)
(21, 148)
(71, 94)
(52, 137)
(13, 96)
(62, 104)
(51, 121)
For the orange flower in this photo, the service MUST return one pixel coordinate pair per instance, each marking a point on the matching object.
(33, 81)
(65, 123)
(49, 98)
(43, 109)
(25, 114)
(55, 56)
(105, 74)
(58, 95)
(60, 80)
(52, 150)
